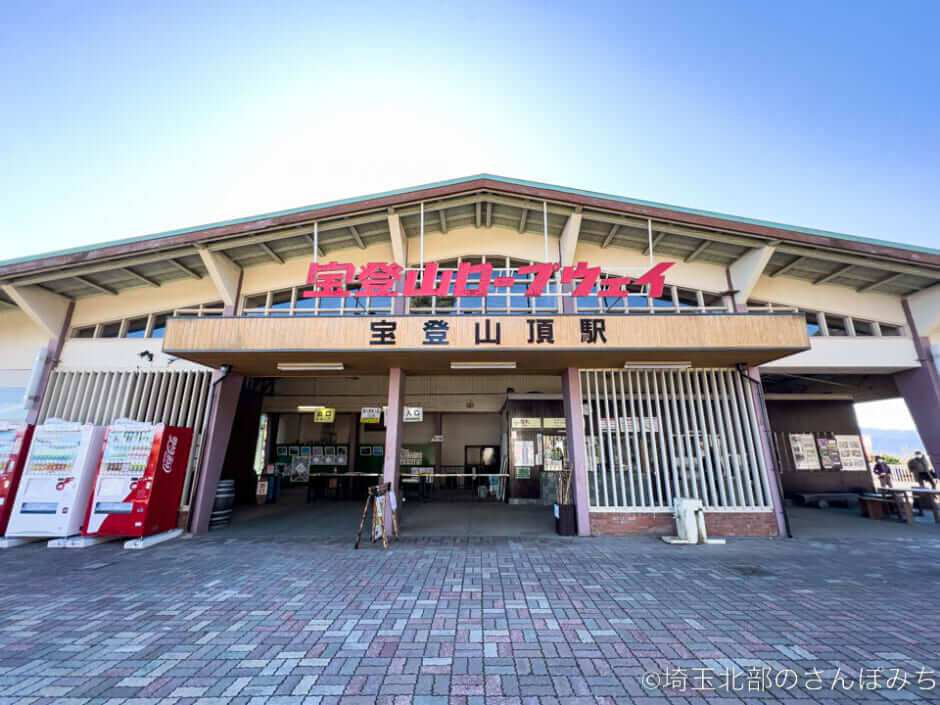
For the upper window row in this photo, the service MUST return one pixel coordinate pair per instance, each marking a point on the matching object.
(819, 323)
(147, 326)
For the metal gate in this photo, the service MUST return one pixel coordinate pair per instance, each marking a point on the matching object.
(653, 434)
(177, 398)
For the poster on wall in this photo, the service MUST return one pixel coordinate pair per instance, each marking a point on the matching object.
(523, 453)
(526, 422)
(324, 415)
(413, 414)
(829, 453)
(803, 446)
(851, 453)
(553, 422)
(370, 414)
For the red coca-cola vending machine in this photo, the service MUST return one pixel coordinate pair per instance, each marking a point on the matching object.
(14, 445)
(139, 481)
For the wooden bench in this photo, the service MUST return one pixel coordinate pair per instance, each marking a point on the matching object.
(927, 498)
(873, 506)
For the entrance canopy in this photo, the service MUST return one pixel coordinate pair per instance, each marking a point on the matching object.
(268, 347)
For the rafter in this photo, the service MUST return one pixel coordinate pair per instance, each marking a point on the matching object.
(833, 274)
(140, 277)
(443, 218)
(698, 250)
(356, 237)
(787, 267)
(95, 285)
(266, 248)
(320, 250)
(522, 219)
(183, 268)
(489, 215)
(610, 236)
(874, 285)
(656, 241)
(478, 213)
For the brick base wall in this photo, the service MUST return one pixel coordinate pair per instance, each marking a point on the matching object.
(662, 524)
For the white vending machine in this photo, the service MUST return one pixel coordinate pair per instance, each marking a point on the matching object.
(57, 480)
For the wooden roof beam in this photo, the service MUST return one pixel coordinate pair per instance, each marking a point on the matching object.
(146, 281)
(94, 285)
(833, 274)
(698, 250)
(787, 267)
(180, 267)
(656, 241)
(874, 285)
(266, 248)
(478, 213)
(320, 250)
(442, 216)
(355, 234)
(523, 218)
(610, 236)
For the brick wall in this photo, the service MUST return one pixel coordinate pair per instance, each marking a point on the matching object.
(662, 524)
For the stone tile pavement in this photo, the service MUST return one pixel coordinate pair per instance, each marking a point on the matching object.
(229, 620)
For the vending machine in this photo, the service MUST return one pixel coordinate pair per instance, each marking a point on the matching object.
(56, 480)
(14, 444)
(140, 479)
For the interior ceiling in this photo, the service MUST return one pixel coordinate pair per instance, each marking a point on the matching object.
(860, 387)
(482, 209)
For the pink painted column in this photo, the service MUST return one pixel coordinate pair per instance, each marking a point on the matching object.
(920, 388)
(574, 425)
(393, 436)
(224, 401)
(438, 447)
(766, 446)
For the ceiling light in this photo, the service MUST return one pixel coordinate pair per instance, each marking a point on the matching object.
(304, 407)
(483, 365)
(657, 365)
(310, 366)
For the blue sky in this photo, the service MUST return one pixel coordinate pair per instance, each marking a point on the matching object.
(137, 117)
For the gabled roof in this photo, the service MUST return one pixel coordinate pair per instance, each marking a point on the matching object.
(609, 220)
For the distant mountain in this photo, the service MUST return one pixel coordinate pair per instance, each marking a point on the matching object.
(893, 441)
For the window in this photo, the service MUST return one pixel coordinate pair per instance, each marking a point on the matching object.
(159, 325)
(136, 328)
(836, 325)
(86, 332)
(891, 330)
(863, 328)
(109, 330)
(812, 324)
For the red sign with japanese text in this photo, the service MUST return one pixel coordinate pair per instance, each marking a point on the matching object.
(390, 279)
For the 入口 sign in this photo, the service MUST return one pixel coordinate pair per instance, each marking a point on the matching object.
(413, 414)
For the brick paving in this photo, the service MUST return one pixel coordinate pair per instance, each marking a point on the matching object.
(229, 619)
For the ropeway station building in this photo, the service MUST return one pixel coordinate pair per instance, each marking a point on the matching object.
(480, 335)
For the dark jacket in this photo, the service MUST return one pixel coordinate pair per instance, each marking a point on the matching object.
(918, 466)
(882, 469)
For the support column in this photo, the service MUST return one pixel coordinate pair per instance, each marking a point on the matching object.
(766, 447)
(438, 447)
(224, 401)
(920, 388)
(574, 431)
(393, 436)
(54, 352)
(353, 443)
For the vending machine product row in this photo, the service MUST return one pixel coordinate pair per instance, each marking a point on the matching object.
(140, 480)
(56, 480)
(14, 444)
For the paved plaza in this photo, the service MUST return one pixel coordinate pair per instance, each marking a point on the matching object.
(250, 617)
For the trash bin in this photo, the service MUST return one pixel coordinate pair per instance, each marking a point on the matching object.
(564, 520)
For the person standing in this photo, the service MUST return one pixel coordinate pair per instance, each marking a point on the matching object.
(882, 471)
(920, 470)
